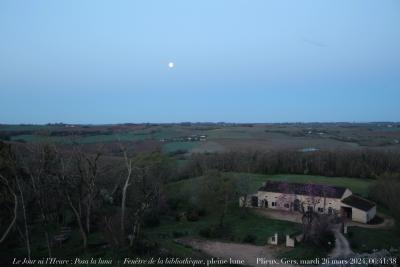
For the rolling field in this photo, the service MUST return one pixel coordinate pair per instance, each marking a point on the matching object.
(220, 136)
(176, 146)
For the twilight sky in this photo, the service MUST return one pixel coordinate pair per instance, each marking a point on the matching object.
(93, 61)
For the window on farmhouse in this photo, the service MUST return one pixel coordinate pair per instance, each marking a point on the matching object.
(321, 210)
(273, 204)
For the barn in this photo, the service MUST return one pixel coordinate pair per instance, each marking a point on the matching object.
(324, 199)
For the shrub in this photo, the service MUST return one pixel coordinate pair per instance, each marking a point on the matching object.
(151, 220)
(215, 232)
(144, 246)
(206, 232)
(4, 137)
(202, 212)
(177, 234)
(249, 238)
(177, 152)
(192, 216)
(173, 203)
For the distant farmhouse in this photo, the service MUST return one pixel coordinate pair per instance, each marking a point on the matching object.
(312, 197)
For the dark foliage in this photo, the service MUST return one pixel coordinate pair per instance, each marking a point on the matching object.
(249, 238)
(177, 234)
(192, 216)
(151, 219)
(215, 231)
(363, 164)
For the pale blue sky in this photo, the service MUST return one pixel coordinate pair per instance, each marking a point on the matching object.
(92, 61)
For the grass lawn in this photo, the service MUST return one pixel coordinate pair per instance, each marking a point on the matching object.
(365, 240)
(238, 227)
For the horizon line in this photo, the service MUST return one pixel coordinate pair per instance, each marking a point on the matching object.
(200, 122)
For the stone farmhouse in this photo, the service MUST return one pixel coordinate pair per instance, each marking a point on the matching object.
(322, 199)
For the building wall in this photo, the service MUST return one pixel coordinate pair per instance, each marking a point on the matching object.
(358, 215)
(289, 241)
(361, 216)
(317, 202)
(282, 199)
(371, 214)
(347, 193)
(247, 199)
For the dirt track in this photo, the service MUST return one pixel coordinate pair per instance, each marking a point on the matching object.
(248, 253)
(342, 246)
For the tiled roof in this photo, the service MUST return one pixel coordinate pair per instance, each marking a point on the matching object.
(358, 202)
(303, 189)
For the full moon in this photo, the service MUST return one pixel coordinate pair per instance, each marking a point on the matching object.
(171, 65)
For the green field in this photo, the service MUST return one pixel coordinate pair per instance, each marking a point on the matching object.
(255, 181)
(175, 146)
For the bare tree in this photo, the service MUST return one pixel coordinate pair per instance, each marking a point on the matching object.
(127, 183)
(9, 191)
(38, 165)
(68, 185)
(216, 194)
(9, 163)
(27, 235)
(149, 173)
(316, 226)
(141, 189)
(88, 170)
(287, 198)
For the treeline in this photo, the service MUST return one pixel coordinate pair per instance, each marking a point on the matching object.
(46, 193)
(386, 192)
(362, 164)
